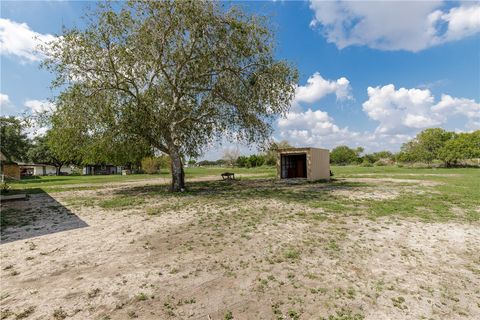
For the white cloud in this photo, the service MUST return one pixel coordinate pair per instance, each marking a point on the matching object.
(400, 110)
(32, 127)
(6, 106)
(394, 25)
(401, 114)
(318, 129)
(318, 122)
(4, 99)
(317, 87)
(40, 106)
(17, 39)
(404, 110)
(308, 128)
(462, 22)
(449, 105)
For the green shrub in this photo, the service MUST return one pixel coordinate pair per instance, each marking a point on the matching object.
(255, 160)
(151, 165)
(366, 164)
(4, 187)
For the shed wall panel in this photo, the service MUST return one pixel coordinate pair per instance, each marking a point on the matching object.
(320, 164)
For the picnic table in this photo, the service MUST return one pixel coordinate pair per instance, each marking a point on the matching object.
(228, 176)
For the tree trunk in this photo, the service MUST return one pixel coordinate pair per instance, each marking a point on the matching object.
(57, 170)
(178, 176)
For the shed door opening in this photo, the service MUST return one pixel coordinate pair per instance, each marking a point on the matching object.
(294, 166)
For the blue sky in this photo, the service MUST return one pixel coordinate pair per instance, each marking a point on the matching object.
(372, 74)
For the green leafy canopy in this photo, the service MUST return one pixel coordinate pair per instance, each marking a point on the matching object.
(175, 75)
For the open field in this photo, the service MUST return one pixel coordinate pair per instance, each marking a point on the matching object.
(61, 183)
(375, 243)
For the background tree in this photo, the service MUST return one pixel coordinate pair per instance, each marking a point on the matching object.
(255, 160)
(461, 146)
(242, 161)
(175, 74)
(77, 135)
(252, 161)
(165, 161)
(41, 152)
(359, 151)
(425, 146)
(230, 156)
(343, 155)
(206, 163)
(371, 158)
(14, 143)
(271, 154)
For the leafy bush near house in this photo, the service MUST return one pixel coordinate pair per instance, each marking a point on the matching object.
(151, 165)
(4, 187)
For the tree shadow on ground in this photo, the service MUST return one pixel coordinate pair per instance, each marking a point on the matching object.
(39, 215)
(286, 190)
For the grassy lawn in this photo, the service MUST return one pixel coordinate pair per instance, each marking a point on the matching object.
(61, 183)
(58, 181)
(446, 189)
(455, 189)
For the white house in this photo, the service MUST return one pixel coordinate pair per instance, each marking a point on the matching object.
(38, 169)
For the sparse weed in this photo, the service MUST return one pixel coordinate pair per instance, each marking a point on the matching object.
(25, 313)
(59, 314)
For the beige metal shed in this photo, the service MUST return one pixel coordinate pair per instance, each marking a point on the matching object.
(310, 163)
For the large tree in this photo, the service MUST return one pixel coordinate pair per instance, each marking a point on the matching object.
(14, 142)
(41, 152)
(176, 74)
(425, 147)
(343, 155)
(462, 146)
(79, 135)
(272, 150)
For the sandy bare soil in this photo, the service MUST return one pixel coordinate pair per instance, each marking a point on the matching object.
(206, 257)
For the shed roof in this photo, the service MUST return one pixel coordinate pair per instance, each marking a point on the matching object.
(299, 149)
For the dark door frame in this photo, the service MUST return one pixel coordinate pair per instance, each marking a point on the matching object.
(289, 165)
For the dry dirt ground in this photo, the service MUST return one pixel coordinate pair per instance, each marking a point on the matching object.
(221, 252)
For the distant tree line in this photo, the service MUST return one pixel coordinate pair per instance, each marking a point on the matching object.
(437, 144)
(52, 148)
(429, 146)
(343, 155)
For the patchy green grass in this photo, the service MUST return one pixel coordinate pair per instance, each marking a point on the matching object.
(41, 184)
(457, 189)
(302, 250)
(427, 194)
(455, 194)
(121, 202)
(291, 254)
